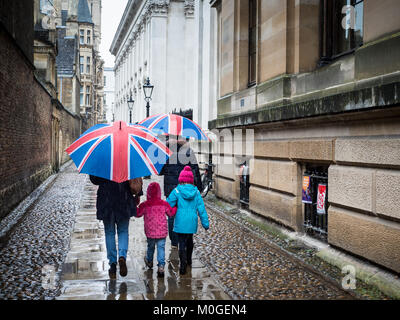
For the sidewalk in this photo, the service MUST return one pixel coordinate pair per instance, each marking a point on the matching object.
(85, 271)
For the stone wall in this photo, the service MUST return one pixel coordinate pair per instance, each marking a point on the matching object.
(344, 116)
(362, 151)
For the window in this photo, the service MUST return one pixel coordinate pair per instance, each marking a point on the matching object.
(46, 6)
(81, 62)
(315, 199)
(105, 82)
(87, 95)
(252, 41)
(88, 37)
(81, 36)
(88, 65)
(81, 95)
(341, 28)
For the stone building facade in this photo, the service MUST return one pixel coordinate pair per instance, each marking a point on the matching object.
(319, 87)
(155, 39)
(109, 94)
(81, 20)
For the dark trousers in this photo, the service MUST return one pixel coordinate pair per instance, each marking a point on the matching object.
(172, 235)
(185, 241)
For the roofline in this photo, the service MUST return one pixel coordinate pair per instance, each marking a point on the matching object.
(122, 22)
(133, 9)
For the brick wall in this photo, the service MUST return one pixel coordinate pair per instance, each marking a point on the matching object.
(25, 126)
(70, 126)
(17, 18)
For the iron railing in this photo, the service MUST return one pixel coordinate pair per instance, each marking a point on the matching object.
(244, 184)
(316, 224)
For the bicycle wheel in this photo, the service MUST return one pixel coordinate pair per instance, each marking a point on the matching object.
(205, 185)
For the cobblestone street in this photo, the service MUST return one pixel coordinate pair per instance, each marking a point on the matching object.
(61, 231)
(41, 239)
(249, 268)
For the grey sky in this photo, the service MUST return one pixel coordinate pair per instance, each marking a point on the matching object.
(112, 11)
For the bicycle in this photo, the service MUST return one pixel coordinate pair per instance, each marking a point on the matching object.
(207, 179)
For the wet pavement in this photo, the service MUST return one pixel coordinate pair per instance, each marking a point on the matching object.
(58, 251)
(85, 271)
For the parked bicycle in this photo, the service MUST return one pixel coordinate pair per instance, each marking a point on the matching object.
(207, 178)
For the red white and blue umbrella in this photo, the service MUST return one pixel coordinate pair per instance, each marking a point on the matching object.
(174, 124)
(118, 152)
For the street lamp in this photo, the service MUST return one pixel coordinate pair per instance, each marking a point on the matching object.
(130, 106)
(148, 91)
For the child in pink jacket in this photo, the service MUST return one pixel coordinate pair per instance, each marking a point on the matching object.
(154, 211)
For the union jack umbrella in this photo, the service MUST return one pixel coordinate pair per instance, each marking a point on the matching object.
(118, 152)
(175, 125)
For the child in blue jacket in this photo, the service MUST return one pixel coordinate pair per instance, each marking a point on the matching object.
(190, 203)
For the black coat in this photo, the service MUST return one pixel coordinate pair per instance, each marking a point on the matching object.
(114, 199)
(182, 156)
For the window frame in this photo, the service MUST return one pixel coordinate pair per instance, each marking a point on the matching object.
(81, 36)
(82, 64)
(88, 37)
(87, 65)
(81, 95)
(329, 32)
(252, 53)
(87, 98)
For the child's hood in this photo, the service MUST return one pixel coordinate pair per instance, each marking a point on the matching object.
(188, 191)
(153, 191)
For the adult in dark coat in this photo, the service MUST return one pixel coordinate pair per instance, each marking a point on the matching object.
(115, 206)
(182, 156)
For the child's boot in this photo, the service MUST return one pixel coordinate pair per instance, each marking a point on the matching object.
(160, 271)
(148, 263)
(182, 258)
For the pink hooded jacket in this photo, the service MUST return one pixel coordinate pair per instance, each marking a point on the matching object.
(154, 211)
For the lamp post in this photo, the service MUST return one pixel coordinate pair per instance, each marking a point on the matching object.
(148, 91)
(130, 106)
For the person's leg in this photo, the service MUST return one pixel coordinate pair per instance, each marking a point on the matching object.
(182, 252)
(150, 252)
(123, 237)
(109, 231)
(123, 240)
(161, 256)
(189, 249)
(172, 235)
(161, 252)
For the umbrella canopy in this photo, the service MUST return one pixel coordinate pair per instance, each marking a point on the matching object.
(175, 125)
(118, 152)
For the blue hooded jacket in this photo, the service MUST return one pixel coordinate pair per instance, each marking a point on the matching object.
(190, 203)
